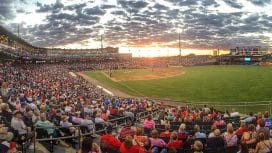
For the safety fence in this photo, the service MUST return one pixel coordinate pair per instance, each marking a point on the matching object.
(75, 137)
(243, 107)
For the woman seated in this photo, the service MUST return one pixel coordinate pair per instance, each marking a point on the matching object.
(128, 147)
(216, 142)
(229, 137)
(211, 134)
(157, 144)
(174, 142)
(139, 137)
(249, 137)
(182, 133)
(263, 146)
(166, 133)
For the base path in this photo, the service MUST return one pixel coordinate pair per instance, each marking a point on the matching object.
(116, 92)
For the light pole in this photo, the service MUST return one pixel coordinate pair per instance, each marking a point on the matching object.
(101, 32)
(179, 32)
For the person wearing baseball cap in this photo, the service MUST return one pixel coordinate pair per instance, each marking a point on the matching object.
(109, 141)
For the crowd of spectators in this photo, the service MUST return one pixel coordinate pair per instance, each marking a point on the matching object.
(45, 96)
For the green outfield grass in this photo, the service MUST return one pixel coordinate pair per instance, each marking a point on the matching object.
(230, 84)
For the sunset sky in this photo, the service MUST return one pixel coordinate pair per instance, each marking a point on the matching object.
(142, 27)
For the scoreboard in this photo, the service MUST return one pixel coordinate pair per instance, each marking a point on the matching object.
(249, 51)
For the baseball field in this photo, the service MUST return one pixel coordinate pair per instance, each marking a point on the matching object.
(240, 85)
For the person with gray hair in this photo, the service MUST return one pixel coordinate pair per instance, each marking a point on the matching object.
(199, 134)
(45, 124)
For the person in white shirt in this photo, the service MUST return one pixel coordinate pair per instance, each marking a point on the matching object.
(18, 124)
(98, 119)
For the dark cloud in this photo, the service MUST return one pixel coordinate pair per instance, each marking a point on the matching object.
(160, 7)
(252, 19)
(119, 12)
(260, 2)
(55, 7)
(75, 7)
(234, 4)
(132, 6)
(106, 6)
(184, 2)
(209, 3)
(94, 11)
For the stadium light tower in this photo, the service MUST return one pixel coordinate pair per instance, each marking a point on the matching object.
(179, 33)
(101, 33)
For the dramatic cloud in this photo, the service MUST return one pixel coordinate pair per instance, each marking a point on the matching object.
(233, 3)
(260, 2)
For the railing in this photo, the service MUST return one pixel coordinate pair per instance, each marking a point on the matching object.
(76, 135)
(244, 107)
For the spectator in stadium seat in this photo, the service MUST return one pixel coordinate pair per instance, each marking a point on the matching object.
(198, 134)
(250, 136)
(217, 141)
(198, 147)
(88, 146)
(182, 133)
(211, 134)
(98, 119)
(229, 137)
(128, 113)
(146, 148)
(243, 128)
(128, 147)
(127, 131)
(174, 142)
(264, 145)
(139, 137)
(36, 116)
(165, 121)
(4, 134)
(45, 124)
(18, 124)
(66, 124)
(158, 145)
(250, 118)
(114, 111)
(5, 112)
(5, 90)
(166, 133)
(206, 110)
(259, 117)
(218, 121)
(149, 123)
(27, 118)
(264, 130)
(109, 140)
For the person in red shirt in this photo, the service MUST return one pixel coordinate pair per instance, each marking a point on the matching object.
(166, 133)
(114, 111)
(109, 140)
(127, 131)
(243, 128)
(174, 142)
(146, 148)
(128, 147)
